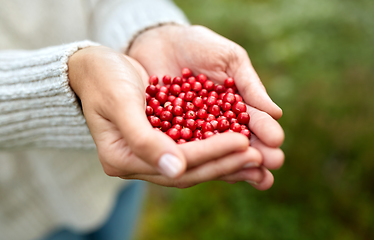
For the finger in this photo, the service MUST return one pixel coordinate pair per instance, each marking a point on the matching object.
(199, 152)
(266, 182)
(265, 127)
(250, 85)
(252, 175)
(273, 158)
(209, 171)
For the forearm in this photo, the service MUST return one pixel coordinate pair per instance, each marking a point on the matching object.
(116, 23)
(37, 106)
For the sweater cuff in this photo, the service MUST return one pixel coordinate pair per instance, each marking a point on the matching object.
(116, 25)
(38, 108)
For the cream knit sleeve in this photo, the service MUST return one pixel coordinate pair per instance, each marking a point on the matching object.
(114, 23)
(37, 106)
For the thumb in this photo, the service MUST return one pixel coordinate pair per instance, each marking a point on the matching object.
(155, 148)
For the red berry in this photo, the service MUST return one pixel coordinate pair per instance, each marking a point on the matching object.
(177, 126)
(190, 123)
(229, 97)
(175, 89)
(202, 113)
(223, 125)
(230, 90)
(221, 95)
(181, 141)
(214, 123)
(201, 78)
(226, 106)
(229, 114)
(233, 120)
(236, 127)
(186, 133)
(178, 81)
(177, 111)
(169, 108)
(174, 133)
(214, 94)
(207, 134)
(238, 98)
(221, 118)
(151, 90)
(198, 102)
(220, 88)
(246, 133)
(207, 127)
(154, 103)
(158, 111)
(199, 123)
(164, 89)
(153, 80)
(229, 82)
(190, 115)
(155, 121)
(211, 101)
(196, 86)
(244, 127)
(189, 96)
(166, 116)
(171, 98)
(195, 139)
(147, 97)
(186, 87)
(165, 125)
(229, 130)
(149, 110)
(238, 107)
(186, 72)
(191, 80)
(178, 120)
(203, 93)
(166, 79)
(198, 134)
(162, 97)
(243, 118)
(189, 106)
(220, 102)
(215, 109)
(210, 117)
(178, 102)
(209, 85)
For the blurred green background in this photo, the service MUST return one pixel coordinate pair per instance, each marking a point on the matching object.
(316, 59)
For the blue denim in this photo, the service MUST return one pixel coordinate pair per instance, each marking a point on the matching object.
(121, 223)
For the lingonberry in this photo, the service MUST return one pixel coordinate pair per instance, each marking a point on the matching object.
(186, 133)
(158, 87)
(155, 121)
(181, 141)
(190, 115)
(181, 95)
(191, 124)
(153, 80)
(229, 114)
(221, 118)
(178, 102)
(243, 118)
(158, 110)
(173, 133)
(171, 98)
(201, 78)
(229, 82)
(214, 124)
(214, 94)
(154, 103)
(226, 106)
(165, 125)
(220, 102)
(198, 102)
(161, 97)
(221, 95)
(246, 133)
(188, 106)
(186, 87)
(169, 108)
(149, 110)
(177, 111)
(230, 90)
(195, 139)
(233, 120)
(186, 72)
(178, 120)
(191, 80)
(198, 134)
(215, 109)
(220, 88)
(229, 97)
(238, 98)
(203, 93)
(235, 127)
(205, 107)
(239, 107)
(147, 97)
(151, 90)
(166, 116)
(209, 85)
(164, 89)
(199, 123)
(223, 125)
(177, 126)
(178, 81)
(207, 134)
(201, 113)
(166, 79)
(189, 96)
(196, 86)
(210, 117)
(175, 89)
(207, 126)
(210, 101)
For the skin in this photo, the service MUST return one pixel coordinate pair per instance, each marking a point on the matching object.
(111, 88)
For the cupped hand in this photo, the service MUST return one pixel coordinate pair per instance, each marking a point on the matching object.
(169, 48)
(111, 88)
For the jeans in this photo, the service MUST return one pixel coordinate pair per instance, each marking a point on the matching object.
(121, 222)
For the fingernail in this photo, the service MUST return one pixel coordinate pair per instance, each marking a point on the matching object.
(252, 182)
(169, 165)
(251, 165)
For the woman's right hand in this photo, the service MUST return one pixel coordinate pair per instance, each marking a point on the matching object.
(111, 88)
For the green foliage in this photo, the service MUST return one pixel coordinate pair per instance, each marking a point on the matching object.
(316, 59)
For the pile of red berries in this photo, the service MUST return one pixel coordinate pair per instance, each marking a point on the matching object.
(190, 108)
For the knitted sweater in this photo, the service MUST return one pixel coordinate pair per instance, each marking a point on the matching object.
(50, 175)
